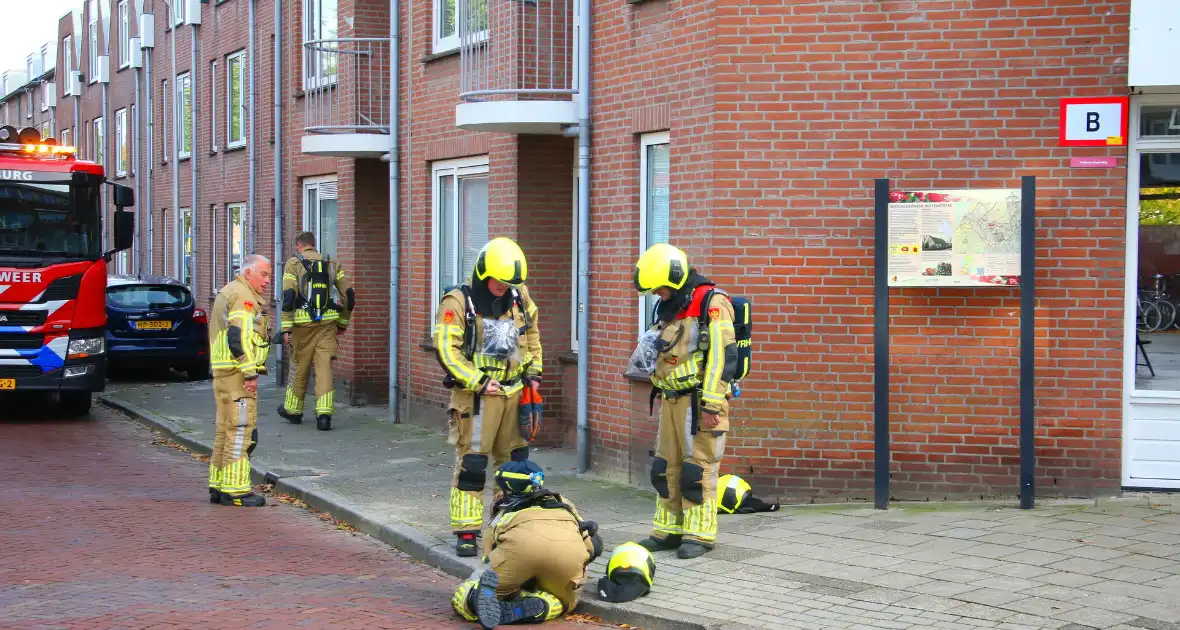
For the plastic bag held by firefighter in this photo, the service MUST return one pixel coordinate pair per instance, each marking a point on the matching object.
(643, 360)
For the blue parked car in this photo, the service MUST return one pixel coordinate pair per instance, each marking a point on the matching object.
(153, 323)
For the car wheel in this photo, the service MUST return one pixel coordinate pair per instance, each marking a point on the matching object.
(198, 372)
(75, 404)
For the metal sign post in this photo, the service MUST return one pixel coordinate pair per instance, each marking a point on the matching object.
(1027, 284)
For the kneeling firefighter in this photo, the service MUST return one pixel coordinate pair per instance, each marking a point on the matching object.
(487, 340)
(691, 355)
(538, 548)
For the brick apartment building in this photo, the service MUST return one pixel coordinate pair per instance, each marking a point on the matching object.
(747, 133)
(27, 96)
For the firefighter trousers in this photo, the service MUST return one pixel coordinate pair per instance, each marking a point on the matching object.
(554, 564)
(312, 346)
(236, 437)
(684, 473)
(494, 430)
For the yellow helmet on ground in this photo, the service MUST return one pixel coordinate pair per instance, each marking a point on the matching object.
(731, 490)
(629, 574)
(662, 265)
(503, 260)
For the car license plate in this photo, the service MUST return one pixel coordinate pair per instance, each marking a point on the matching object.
(7, 383)
(153, 325)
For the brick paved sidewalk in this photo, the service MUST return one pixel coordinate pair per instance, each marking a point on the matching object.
(1113, 563)
(101, 529)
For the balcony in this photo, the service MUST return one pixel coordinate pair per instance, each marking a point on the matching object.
(517, 65)
(346, 97)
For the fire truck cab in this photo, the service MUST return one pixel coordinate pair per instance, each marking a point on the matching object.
(55, 246)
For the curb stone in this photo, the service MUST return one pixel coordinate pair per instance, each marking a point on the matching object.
(416, 544)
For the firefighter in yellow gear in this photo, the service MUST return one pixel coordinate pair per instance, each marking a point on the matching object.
(536, 548)
(239, 334)
(487, 339)
(312, 317)
(691, 374)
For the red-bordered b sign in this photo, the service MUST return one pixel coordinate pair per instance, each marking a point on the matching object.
(1094, 122)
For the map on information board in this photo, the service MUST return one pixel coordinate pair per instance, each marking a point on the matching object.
(954, 238)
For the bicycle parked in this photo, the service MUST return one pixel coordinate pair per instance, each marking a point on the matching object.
(1157, 310)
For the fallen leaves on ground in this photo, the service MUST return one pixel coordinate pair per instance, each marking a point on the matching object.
(282, 497)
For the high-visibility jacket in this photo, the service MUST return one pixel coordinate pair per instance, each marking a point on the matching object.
(295, 313)
(462, 357)
(682, 366)
(239, 331)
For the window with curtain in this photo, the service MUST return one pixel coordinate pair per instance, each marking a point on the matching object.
(654, 198)
(460, 191)
(321, 212)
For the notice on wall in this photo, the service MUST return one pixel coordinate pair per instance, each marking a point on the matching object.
(954, 238)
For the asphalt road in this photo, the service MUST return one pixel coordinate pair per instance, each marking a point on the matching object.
(102, 525)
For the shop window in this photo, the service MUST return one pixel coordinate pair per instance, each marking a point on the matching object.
(654, 213)
(460, 220)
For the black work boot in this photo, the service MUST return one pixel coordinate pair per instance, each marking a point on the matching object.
(487, 605)
(243, 500)
(465, 545)
(293, 418)
(690, 549)
(214, 495)
(323, 422)
(670, 542)
(523, 608)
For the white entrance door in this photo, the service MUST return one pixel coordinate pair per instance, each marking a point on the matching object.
(1151, 436)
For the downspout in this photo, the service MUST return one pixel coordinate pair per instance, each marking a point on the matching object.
(151, 167)
(394, 210)
(278, 159)
(583, 426)
(253, 158)
(408, 352)
(177, 253)
(194, 208)
(137, 252)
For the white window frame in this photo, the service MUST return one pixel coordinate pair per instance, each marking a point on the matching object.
(183, 102)
(67, 45)
(1139, 146)
(46, 129)
(213, 105)
(29, 76)
(45, 95)
(311, 216)
(31, 95)
(133, 152)
(478, 165)
(93, 43)
(574, 266)
(646, 141)
(178, 11)
(234, 262)
(99, 146)
(313, 77)
(125, 34)
(230, 141)
(164, 114)
(66, 137)
(184, 246)
(122, 145)
(446, 44)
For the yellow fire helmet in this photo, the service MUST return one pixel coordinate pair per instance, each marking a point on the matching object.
(662, 265)
(735, 496)
(629, 574)
(503, 260)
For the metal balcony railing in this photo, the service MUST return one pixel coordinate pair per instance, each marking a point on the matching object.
(517, 49)
(346, 85)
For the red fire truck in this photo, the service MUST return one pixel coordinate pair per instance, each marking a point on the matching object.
(53, 270)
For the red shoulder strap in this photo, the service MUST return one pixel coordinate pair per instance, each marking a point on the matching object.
(694, 305)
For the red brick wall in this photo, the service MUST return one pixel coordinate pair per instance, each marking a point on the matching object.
(810, 101)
